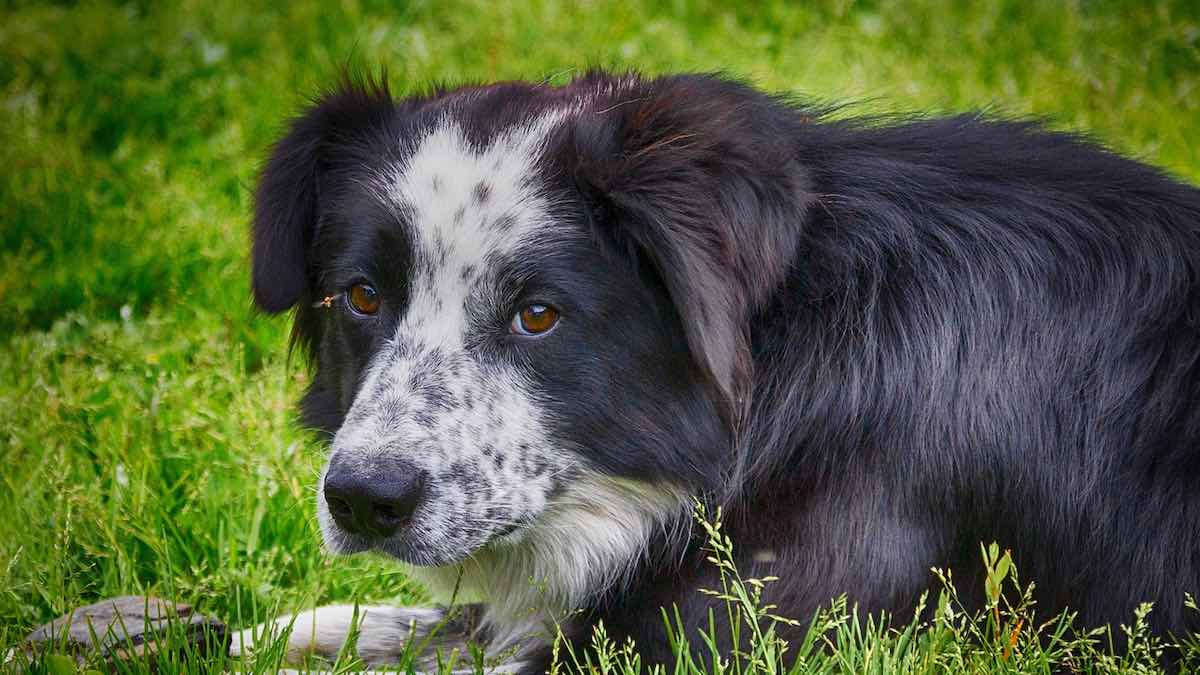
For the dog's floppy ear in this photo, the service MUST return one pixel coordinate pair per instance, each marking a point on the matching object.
(287, 200)
(700, 174)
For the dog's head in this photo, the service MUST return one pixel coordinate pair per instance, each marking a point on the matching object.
(513, 294)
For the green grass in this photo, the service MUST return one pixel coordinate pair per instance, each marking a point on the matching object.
(146, 431)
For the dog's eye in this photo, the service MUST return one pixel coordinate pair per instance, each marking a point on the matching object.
(534, 320)
(363, 299)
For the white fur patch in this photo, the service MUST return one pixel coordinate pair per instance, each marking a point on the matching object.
(383, 632)
(471, 424)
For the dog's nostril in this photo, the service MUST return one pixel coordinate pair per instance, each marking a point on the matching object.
(338, 506)
(374, 501)
(388, 511)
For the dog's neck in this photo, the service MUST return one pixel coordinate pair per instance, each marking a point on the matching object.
(587, 542)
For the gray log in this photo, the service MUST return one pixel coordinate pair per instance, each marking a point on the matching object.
(129, 628)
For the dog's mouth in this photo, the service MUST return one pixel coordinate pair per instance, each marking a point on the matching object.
(505, 531)
(429, 537)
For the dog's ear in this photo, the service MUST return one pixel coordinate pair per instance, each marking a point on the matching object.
(701, 175)
(287, 200)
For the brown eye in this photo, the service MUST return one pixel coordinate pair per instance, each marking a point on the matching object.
(534, 320)
(363, 299)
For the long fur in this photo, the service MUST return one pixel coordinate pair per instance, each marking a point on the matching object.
(875, 343)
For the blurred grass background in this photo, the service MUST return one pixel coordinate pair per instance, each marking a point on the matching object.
(146, 433)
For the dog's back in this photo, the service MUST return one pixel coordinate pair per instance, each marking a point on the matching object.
(992, 334)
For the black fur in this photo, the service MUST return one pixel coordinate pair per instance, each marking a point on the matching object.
(876, 343)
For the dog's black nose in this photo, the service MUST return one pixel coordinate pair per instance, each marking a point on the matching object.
(375, 498)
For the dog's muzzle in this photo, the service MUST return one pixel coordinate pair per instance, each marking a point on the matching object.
(374, 498)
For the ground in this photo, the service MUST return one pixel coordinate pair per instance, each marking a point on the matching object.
(146, 425)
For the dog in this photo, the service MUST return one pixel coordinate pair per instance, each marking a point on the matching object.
(544, 322)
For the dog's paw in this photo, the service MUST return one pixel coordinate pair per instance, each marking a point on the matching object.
(382, 633)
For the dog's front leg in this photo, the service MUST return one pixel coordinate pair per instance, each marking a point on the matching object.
(382, 634)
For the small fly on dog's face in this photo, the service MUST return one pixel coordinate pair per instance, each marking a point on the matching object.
(491, 360)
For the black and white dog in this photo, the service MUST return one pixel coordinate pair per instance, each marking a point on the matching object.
(544, 320)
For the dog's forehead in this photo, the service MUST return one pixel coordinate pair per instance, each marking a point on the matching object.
(469, 206)
(469, 201)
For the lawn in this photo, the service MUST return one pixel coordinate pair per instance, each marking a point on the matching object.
(146, 426)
